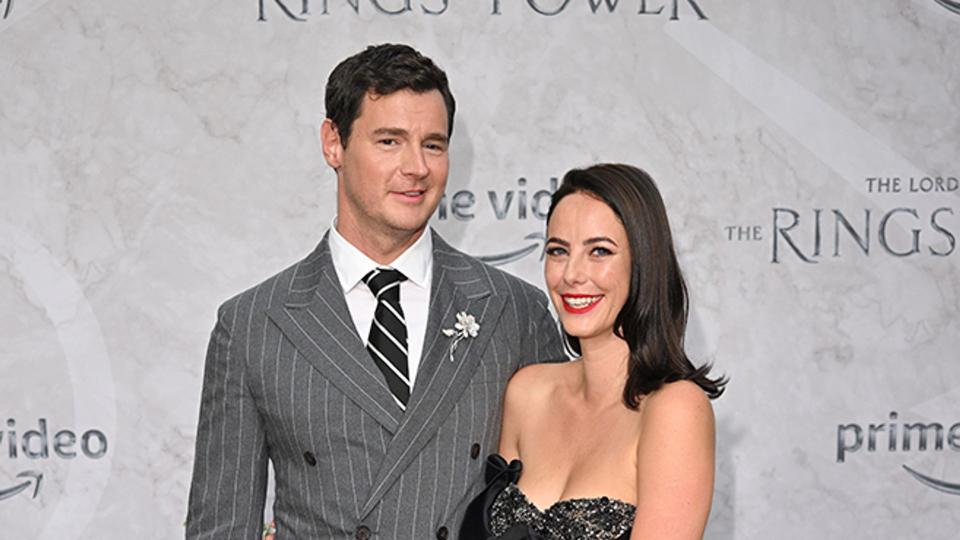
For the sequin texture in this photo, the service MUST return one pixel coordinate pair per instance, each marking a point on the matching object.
(599, 518)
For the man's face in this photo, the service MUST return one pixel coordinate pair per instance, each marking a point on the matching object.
(392, 172)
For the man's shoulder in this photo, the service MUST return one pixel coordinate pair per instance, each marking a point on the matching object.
(499, 281)
(282, 287)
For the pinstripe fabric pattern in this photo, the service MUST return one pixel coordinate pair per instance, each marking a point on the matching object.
(287, 379)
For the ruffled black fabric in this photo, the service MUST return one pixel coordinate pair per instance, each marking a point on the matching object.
(476, 522)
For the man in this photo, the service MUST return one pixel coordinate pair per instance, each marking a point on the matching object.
(371, 373)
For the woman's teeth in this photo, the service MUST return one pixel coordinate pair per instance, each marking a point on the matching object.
(582, 301)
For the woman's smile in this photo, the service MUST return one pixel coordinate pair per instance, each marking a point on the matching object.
(580, 303)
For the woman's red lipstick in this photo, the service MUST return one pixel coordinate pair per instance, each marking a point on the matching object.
(579, 310)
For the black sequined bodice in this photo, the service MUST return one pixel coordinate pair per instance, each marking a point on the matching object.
(502, 512)
(600, 518)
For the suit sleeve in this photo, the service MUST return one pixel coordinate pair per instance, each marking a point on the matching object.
(230, 463)
(544, 343)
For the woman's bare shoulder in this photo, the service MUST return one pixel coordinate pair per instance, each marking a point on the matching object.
(527, 400)
(534, 383)
(681, 404)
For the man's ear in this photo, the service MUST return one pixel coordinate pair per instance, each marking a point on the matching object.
(331, 143)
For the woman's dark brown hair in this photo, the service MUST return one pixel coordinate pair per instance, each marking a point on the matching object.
(654, 318)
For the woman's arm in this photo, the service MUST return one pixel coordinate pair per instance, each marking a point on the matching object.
(675, 464)
(521, 401)
(513, 402)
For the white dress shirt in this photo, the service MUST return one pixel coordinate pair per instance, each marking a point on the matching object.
(416, 263)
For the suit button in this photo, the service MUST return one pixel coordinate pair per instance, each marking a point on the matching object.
(362, 533)
(474, 451)
(442, 533)
(310, 459)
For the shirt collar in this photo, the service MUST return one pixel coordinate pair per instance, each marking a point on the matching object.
(415, 263)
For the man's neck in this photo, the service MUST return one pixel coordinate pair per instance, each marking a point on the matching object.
(381, 248)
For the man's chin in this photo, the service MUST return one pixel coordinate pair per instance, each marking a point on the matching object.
(412, 228)
(410, 222)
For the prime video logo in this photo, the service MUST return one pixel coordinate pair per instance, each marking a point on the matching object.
(903, 438)
(523, 204)
(39, 443)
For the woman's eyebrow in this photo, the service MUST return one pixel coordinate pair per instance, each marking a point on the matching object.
(598, 239)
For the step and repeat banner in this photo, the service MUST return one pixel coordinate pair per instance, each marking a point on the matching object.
(157, 157)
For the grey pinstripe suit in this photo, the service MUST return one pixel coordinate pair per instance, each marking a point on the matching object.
(287, 378)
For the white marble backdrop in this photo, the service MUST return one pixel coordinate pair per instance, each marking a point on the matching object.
(157, 157)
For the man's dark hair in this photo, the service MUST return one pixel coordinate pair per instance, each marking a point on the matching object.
(381, 70)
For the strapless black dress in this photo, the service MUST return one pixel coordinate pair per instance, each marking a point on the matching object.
(503, 512)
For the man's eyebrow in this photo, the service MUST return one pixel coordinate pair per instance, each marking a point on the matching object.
(390, 131)
(598, 239)
(555, 240)
(400, 132)
(439, 137)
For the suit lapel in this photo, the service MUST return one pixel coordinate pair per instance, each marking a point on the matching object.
(315, 318)
(459, 284)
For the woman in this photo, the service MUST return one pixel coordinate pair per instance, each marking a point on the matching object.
(618, 444)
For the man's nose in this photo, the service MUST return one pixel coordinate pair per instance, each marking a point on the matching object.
(414, 162)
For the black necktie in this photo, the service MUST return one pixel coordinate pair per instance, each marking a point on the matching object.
(387, 343)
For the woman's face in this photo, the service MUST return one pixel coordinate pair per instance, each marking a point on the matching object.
(587, 267)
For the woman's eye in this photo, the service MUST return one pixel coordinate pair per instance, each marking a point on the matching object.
(601, 251)
(555, 250)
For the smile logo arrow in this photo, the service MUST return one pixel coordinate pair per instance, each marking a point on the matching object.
(509, 257)
(952, 5)
(32, 477)
(939, 485)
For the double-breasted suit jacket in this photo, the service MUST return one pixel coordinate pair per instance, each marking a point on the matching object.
(287, 379)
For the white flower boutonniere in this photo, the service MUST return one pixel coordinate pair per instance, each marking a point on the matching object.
(465, 327)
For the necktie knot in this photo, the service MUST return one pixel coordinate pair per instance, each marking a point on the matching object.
(384, 281)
